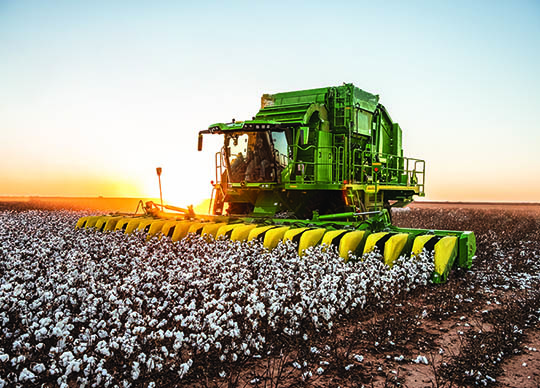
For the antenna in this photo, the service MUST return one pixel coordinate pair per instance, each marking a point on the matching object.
(158, 171)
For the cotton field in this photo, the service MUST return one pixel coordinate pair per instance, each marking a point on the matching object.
(81, 308)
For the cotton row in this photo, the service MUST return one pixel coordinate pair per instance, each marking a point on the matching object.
(100, 309)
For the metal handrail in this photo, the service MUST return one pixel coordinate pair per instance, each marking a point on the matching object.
(334, 164)
(360, 168)
(392, 169)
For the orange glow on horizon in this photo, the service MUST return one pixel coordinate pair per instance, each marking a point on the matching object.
(183, 189)
(66, 185)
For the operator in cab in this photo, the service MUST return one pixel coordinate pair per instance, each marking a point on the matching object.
(259, 162)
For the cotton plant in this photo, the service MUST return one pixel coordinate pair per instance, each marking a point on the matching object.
(85, 301)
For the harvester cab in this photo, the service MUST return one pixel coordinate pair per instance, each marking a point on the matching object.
(318, 166)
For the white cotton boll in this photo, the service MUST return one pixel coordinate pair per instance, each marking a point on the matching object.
(177, 345)
(306, 375)
(358, 357)
(102, 334)
(18, 360)
(26, 375)
(53, 369)
(76, 366)
(135, 370)
(184, 368)
(421, 359)
(102, 348)
(41, 333)
(4, 357)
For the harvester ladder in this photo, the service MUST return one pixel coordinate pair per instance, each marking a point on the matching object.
(339, 108)
(219, 166)
(353, 198)
(339, 159)
(219, 174)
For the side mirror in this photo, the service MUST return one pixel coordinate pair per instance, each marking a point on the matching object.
(199, 145)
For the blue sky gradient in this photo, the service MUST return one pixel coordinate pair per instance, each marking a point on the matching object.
(94, 95)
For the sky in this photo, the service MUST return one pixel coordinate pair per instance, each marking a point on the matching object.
(95, 95)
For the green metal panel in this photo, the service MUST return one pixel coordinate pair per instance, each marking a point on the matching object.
(291, 113)
(365, 100)
(362, 122)
(342, 102)
(397, 140)
(324, 160)
(295, 97)
(266, 204)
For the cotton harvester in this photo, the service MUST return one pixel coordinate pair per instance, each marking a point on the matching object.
(319, 166)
